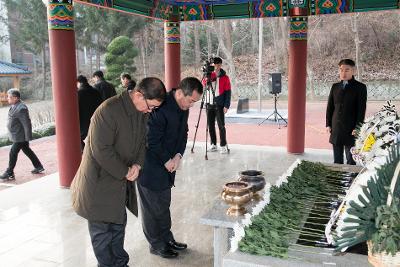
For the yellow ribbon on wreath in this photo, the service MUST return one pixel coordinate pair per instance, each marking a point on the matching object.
(369, 143)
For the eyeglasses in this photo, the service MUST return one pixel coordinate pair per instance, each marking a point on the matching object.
(149, 107)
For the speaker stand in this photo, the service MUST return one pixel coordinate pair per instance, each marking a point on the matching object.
(277, 117)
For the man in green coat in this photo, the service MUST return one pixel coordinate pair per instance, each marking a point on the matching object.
(112, 159)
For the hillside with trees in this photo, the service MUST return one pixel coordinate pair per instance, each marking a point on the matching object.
(371, 39)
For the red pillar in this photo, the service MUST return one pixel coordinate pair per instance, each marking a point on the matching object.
(172, 52)
(63, 76)
(297, 85)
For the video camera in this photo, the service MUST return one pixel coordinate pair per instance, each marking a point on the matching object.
(208, 68)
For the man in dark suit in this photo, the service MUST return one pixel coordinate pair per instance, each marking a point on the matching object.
(105, 88)
(166, 140)
(345, 111)
(20, 133)
(88, 100)
(127, 82)
(103, 184)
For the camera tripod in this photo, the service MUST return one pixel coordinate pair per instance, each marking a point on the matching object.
(206, 99)
(275, 113)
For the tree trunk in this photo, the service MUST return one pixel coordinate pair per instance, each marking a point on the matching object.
(283, 25)
(275, 40)
(143, 55)
(90, 60)
(224, 30)
(254, 36)
(197, 52)
(354, 27)
(97, 59)
(35, 68)
(260, 49)
(310, 73)
(44, 71)
(209, 42)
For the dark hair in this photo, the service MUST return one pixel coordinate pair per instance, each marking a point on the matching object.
(217, 60)
(126, 76)
(190, 84)
(98, 73)
(14, 92)
(131, 85)
(82, 79)
(348, 62)
(152, 88)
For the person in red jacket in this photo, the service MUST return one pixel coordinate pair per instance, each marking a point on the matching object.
(219, 105)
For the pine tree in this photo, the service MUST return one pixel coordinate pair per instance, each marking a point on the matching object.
(119, 58)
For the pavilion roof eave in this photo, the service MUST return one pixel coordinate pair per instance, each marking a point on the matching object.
(14, 74)
(233, 9)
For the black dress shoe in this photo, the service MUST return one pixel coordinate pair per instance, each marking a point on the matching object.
(37, 170)
(176, 245)
(7, 176)
(164, 253)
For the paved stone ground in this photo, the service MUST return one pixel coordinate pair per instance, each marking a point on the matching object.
(245, 134)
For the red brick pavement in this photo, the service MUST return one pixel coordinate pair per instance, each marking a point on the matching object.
(246, 134)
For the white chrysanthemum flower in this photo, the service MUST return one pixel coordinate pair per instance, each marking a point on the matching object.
(239, 233)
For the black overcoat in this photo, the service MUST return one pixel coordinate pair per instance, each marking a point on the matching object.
(345, 111)
(88, 99)
(167, 136)
(105, 89)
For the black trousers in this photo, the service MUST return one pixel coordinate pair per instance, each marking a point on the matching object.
(15, 148)
(108, 243)
(216, 112)
(156, 216)
(338, 154)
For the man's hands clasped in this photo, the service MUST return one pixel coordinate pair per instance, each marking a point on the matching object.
(173, 164)
(133, 172)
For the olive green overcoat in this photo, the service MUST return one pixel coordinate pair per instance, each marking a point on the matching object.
(116, 140)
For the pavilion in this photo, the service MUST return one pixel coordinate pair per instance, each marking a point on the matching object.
(174, 12)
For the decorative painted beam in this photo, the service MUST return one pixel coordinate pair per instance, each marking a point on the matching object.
(188, 10)
(61, 15)
(298, 28)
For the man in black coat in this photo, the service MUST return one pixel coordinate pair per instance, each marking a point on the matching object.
(88, 99)
(345, 111)
(167, 137)
(105, 88)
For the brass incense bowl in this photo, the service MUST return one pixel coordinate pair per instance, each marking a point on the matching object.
(255, 180)
(236, 194)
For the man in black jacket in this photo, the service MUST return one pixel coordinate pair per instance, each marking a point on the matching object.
(88, 100)
(345, 111)
(167, 137)
(105, 88)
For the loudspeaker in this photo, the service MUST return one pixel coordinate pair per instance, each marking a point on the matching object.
(275, 83)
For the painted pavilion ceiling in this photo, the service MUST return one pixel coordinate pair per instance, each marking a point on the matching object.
(187, 10)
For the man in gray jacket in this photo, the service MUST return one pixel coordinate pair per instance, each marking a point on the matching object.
(20, 133)
(111, 161)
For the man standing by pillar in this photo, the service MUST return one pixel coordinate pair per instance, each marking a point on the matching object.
(345, 111)
(20, 133)
(166, 140)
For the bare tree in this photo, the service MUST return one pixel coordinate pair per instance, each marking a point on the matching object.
(223, 30)
(197, 51)
(254, 36)
(357, 42)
